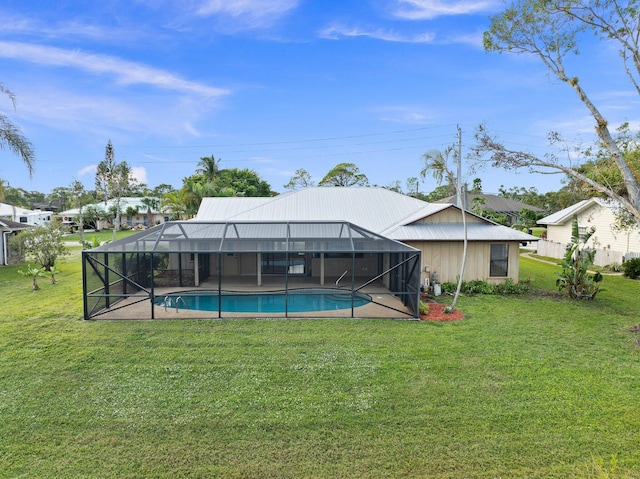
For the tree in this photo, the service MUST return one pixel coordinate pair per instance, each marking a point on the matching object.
(113, 181)
(12, 138)
(551, 30)
(240, 182)
(437, 163)
(575, 278)
(477, 186)
(33, 273)
(208, 168)
(344, 174)
(173, 205)
(43, 243)
(92, 215)
(301, 179)
(104, 173)
(78, 197)
(479, 207)
(152, 204)
(160, 190)
(60, 196)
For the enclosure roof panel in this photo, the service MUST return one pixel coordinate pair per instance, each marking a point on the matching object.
(252, 236)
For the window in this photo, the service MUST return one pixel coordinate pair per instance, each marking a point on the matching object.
(276, 263)
(499, 262)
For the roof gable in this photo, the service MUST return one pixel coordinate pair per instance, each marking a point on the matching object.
(376, 209)
(567, 214)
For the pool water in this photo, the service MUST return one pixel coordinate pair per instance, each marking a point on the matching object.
(299, 302)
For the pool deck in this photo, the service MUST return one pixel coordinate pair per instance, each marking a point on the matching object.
(383, 304)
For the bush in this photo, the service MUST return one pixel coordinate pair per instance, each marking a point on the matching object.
(613, 267)
(482, 287)
(631, 268)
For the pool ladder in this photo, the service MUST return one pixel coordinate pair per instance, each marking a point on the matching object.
(342, 276)
(167, 303)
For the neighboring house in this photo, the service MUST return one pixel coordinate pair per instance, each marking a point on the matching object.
(435, 229)
(133, 213)
(612, 245)
(7, 229)
(506, 206)
(24, 216)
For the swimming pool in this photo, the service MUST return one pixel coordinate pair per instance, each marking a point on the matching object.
(299, 301)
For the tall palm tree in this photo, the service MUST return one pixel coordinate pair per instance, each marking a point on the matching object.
(12, 138)
(437, 163)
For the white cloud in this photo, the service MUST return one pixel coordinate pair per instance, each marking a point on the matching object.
(99, 114)
(429, 9)
(88, 170)
(140, 174)
(13, 24)
(253, 13)
(124, 71)
(335, 32)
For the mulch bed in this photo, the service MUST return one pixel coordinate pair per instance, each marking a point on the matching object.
(437, 313)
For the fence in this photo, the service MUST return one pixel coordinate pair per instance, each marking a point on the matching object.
(603, 256)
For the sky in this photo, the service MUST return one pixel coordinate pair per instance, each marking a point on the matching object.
(279, 85)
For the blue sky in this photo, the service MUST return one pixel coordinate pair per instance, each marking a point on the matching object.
(277, 85)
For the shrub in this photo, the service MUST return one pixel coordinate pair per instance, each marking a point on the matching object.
(576, 279)
(631, 268)
(482, 287)
(613, 267)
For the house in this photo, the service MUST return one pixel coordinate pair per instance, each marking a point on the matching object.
(612, 245)
(133, 213)
(370, 249)
(435, 229)
(501, 205)
(7, 229)
(24, 216)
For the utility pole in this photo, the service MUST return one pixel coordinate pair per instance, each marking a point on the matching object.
(460, 202)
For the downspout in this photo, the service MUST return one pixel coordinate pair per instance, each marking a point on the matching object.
(5, 246)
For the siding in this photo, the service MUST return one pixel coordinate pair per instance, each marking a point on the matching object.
(605, 237)
(445, 258)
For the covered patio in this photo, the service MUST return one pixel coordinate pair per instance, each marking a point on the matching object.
(206, 270)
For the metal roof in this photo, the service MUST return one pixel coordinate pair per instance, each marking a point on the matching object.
(455, 232)
(375, 209)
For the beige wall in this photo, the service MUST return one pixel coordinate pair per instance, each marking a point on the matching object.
(450, 215)
(446, 259)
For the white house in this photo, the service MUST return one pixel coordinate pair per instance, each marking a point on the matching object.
(612, 244)
(133, 212)
(24, 216)
(434, 229)
(9, 228)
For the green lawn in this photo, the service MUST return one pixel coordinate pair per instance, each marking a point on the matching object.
(531, 386)
(101, 236)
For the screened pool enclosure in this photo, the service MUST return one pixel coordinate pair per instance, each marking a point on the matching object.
(191, 269)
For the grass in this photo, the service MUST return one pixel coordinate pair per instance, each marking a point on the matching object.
(101, 235)
(527, 386)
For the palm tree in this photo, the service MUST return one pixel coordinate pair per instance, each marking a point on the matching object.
(208, 167)
(10, 136)
(437, 163)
